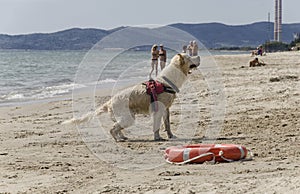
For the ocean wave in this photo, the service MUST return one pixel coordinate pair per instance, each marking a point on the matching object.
(108, 80)
(31, 93)
(12, 96)
(40, 93)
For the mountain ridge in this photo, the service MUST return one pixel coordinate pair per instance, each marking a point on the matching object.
(212, 35)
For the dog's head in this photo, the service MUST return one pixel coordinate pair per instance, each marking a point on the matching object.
(176, 73)
(185, 62)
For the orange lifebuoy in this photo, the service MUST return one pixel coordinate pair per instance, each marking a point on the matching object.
(199, 153)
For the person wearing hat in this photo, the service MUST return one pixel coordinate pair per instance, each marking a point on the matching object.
(154, 60)
(162, 56)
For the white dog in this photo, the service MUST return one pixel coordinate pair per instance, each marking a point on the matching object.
(135, 100)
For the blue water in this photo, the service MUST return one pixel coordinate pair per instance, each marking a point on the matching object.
(31, 75)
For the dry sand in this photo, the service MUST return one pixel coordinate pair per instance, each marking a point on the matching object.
(38, 155)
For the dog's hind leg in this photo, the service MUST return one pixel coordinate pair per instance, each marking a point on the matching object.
(115, 132)
(122, 136)
(166, 117)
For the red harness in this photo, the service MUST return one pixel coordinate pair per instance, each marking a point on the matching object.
(153, 88)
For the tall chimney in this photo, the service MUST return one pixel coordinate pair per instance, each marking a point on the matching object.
(276, 21)
(279, 20)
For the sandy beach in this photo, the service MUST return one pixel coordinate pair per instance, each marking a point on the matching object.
(262, 112)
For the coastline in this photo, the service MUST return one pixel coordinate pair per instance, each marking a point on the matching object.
(39, 155)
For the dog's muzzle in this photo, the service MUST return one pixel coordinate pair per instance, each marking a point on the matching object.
(195, 62)
(193, 66)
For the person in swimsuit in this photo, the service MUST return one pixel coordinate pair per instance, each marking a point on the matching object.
(162, 56)
(184, 47)
(195, 49)
(190, 48)
(154, 61)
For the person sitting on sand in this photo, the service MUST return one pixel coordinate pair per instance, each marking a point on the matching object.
(259, 51)
(162, 56)
(154, 62)
(255, 62)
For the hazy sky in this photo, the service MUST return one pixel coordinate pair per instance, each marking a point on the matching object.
(28, 16)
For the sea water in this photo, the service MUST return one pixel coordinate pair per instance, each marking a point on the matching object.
(28, 75)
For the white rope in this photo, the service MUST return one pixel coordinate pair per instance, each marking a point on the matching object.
(221, 155)
(195, 158)
(245, 159)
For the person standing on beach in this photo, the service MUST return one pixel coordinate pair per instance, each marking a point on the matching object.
(195, 49)
(162, 57)
(154, 60)
(190, 48)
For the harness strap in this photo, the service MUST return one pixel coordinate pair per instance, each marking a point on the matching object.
(171, 84)
(169, 90)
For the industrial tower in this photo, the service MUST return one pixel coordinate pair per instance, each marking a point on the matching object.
(278, 20)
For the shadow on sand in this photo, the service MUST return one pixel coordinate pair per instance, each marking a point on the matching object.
(194, 140)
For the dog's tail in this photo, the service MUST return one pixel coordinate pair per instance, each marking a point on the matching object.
(88, 116)
(85, 118)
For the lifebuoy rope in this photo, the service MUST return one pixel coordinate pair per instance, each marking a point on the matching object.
(195, 158)
(241, 158)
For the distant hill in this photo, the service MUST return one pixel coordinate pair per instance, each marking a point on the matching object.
(71, 39)
(216, 35)
(212, 35)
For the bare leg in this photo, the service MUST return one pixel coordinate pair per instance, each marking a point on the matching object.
(151, 73)
(162, 65)
(152, 69)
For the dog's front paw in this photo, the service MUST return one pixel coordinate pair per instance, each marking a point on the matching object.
(159, 139)
(172, 136)
(121, 140)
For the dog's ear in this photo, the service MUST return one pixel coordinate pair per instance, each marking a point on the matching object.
(181, 59)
